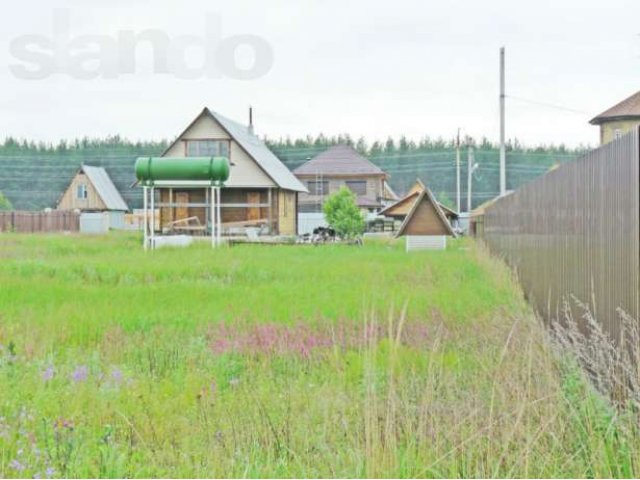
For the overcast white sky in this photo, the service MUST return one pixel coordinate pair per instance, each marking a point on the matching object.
(370, 68)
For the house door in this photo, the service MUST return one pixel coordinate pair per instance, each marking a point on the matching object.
(253, 213)
(182, 211)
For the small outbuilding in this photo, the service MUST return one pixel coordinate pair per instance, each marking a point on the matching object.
(425, 227)
(91, 190)
(476, 218)
(399, 209)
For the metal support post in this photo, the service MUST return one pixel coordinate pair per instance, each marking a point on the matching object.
(214, 216)
(153, 218)
(144, 217)
(219, 215)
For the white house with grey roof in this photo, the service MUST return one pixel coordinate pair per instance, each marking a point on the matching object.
(91, 190)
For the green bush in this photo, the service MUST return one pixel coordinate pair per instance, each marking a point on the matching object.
(343, 214)
(5, 204)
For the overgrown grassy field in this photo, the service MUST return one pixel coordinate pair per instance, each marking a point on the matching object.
(263, 361)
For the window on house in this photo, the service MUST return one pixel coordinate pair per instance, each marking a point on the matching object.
(359, 187)
(318, 187)
(309, 208)
(617, 133)
(208, 148)
(81, 191)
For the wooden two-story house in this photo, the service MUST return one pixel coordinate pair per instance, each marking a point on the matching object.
(261, 191)
(342, 166)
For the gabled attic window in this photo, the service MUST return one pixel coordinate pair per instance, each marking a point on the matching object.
(207, 148)
(81, 191)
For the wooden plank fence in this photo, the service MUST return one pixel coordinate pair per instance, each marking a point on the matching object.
(39, 222)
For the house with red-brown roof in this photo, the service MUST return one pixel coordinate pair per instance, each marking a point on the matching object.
(619, 119)
(342, 166)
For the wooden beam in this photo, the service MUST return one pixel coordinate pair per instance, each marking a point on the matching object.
(246, 223)
(270, 211)
(207, 209)
(245, 205)
(224, 205)
(171, 212)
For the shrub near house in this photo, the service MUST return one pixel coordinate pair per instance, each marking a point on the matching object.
(343, 214)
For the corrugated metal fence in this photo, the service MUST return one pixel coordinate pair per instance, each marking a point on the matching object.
(39, 222)
(575, 232)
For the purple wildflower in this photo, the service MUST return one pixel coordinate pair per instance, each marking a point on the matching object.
(50, 472)
(48, 373)
(63, 423)
(16, 465)
(80, 374)
(304, 340)
(116, 375)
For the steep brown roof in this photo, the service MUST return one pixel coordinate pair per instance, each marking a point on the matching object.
(401, 207)
(628, 109)
(339, 160)
(425, 218)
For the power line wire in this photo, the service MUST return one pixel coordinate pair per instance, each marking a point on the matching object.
(548, 105)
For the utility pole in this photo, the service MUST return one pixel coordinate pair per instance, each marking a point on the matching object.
(458, 172)
(470, 169)
(503, 153)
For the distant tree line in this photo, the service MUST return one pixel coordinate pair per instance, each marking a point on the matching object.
(403, 144)
(110, 144)
(320, 142)
(33, 174)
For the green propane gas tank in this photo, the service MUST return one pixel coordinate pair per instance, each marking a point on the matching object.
(212, 169)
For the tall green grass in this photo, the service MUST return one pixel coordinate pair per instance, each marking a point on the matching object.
(109, 367)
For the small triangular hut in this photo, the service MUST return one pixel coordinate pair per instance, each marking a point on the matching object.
(401, 208)
(425, 227)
